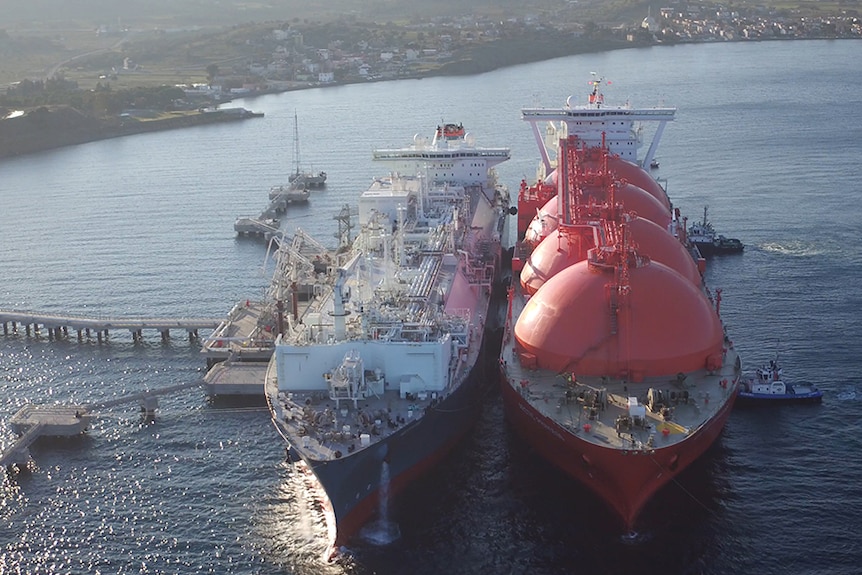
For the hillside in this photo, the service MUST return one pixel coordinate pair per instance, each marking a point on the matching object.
(53, 127)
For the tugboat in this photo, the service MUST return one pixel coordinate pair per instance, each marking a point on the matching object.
(768, 388)
(703, 236)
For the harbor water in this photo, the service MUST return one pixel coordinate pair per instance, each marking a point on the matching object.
(768, 135)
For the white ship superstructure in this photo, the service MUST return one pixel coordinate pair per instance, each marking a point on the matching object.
(618, 127)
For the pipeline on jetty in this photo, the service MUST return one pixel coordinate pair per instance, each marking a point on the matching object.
(57, 326)
(237, 356)
(34, 421)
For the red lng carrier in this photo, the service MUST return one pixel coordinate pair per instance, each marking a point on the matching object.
(616, 366)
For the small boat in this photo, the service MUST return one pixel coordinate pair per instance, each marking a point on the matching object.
(307, 179)
(703, 236)
(767, 388)
(653, 165)
(300, 178)
(450, 131)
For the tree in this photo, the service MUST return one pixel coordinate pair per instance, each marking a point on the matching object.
(212, 72)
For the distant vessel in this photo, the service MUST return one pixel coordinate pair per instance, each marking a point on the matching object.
(768, 387)
(300, 179)
(377, 371)
(708, 242)
(615, 364)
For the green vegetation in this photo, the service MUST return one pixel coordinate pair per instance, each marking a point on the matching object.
(99, 103)
(151, 42)
(107, 57)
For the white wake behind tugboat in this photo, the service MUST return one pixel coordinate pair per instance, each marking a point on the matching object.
(377, 371)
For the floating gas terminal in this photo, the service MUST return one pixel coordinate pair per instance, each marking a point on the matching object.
(376, 369)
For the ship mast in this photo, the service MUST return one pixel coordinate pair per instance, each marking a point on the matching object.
(296, 143)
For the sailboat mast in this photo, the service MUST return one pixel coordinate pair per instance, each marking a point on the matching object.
(296, 142)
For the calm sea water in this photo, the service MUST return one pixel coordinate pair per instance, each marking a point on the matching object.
(768, 135)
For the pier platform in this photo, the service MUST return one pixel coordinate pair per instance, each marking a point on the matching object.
(250, 226)
(266, 225)
(247, 334)
(236, 378)
(34, 421)
(52, 420)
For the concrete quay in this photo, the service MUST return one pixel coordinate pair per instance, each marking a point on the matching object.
(236, 378)
(266, 225)
(249, 226)
(237, 353)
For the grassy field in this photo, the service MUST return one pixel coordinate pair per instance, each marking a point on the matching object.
(157, 57)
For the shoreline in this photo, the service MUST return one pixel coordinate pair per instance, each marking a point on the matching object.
(46, 128)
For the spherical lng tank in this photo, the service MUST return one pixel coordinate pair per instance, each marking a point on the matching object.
(660, 324)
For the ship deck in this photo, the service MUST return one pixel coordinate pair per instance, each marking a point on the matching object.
(324, 430)
(597, 409)
(415, 321)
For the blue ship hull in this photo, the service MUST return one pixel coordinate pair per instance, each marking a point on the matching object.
(748, 398)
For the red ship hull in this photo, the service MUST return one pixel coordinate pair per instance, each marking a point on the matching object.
(624, 479)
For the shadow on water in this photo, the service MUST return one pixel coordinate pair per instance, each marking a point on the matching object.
(495, 507)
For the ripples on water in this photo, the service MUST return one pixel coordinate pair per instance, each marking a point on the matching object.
(143, 225)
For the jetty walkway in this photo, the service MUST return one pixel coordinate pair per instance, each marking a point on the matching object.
(58, 326)
(266, 225)
(237, 351)
(33, 421)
